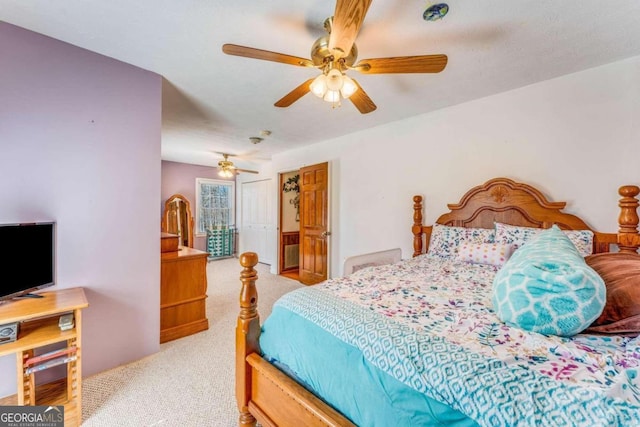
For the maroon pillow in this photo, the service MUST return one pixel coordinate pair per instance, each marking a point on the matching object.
(621, 275)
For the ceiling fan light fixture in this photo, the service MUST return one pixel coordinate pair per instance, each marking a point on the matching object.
(225, 173)
(333, 86)
(349, 87)
(332, 96)
(334, 79)
(319, 86)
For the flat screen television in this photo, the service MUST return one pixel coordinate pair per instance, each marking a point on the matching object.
(27, 258)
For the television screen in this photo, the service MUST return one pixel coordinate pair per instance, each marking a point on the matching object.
(27, 254)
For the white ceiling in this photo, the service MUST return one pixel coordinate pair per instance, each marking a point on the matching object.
(213, 102)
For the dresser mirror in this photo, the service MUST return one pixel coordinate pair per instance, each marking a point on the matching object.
(177, 219)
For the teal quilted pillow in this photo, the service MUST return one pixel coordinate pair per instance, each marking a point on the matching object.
(547, 287)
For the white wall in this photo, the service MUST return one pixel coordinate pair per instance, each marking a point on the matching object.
(576, 138)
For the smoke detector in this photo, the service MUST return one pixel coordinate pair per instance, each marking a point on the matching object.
(255, 139)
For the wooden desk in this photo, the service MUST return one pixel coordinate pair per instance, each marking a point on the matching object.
(38, 319)
(183, 293)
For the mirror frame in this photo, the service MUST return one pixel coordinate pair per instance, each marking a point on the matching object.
(165, 219)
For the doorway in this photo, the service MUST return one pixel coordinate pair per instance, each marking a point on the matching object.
(289, 248)
(303, 224)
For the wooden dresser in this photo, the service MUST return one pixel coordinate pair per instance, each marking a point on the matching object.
(183, 290)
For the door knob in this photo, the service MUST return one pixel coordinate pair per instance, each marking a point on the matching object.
(324, 234)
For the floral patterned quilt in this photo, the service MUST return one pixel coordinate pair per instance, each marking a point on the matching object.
(428, 322)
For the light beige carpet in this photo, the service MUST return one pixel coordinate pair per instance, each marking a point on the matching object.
(190, 382)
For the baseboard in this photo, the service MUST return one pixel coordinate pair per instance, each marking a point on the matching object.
(183, 330)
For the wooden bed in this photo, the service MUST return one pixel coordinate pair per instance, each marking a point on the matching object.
(266, 394)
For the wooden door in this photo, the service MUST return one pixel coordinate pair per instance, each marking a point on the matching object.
(314, 213)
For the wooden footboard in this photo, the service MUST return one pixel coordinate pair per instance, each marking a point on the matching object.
(264, 393)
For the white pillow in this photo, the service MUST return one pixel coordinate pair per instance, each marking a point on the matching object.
(485, 253)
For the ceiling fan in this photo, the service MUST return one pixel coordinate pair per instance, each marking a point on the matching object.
(336, 53)
(226, 168)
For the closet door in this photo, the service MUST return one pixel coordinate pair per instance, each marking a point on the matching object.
(257, 232)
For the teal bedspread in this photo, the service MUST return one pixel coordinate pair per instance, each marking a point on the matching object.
(342, 376)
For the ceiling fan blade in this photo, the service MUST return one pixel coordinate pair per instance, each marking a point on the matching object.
(245, 170)
(403, 64)
(361, 100)
(347, 20)
(250, 52)
(294, 95)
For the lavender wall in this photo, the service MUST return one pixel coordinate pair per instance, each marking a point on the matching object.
(180, 178)
(80, 145)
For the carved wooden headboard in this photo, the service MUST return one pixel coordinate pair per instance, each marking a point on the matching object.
(509, 202)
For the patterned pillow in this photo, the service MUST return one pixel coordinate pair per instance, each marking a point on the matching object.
(445, 240)
(547, 287)
(485, 253)
(518, 236)
(582, 240)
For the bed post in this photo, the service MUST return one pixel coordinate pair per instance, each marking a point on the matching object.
(247, 334)
(628, 236)
(417, 225)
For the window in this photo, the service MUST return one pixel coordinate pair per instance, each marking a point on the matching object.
(214, 205)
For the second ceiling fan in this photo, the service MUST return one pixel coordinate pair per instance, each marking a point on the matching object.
(227, 169)
(336, 53)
